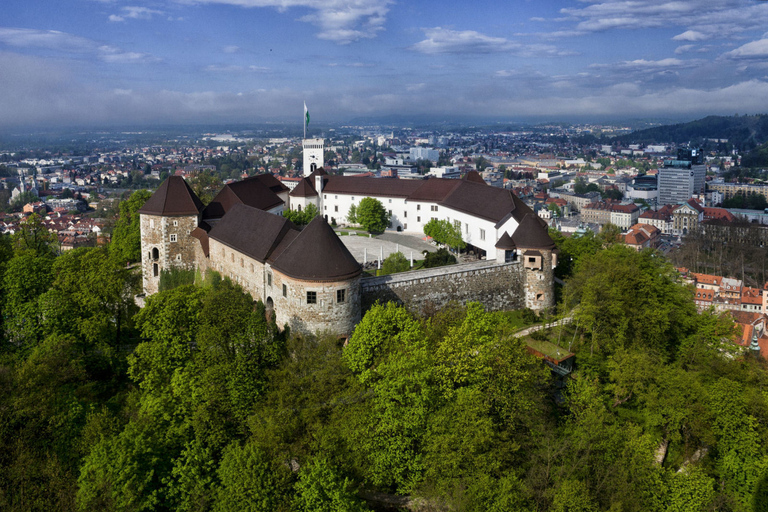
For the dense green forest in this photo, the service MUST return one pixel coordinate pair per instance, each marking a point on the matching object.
(743, 132)
(199, 402)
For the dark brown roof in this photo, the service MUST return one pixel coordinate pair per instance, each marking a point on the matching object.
(251, 192)
(532, 234)
(173, 197)
(251, 231)
(272, 183)
(304, 189)
(317, 172)
(505, 242)
(317, 254)
(370, 186)
(475, 177)
(433, 189)
(490, 203)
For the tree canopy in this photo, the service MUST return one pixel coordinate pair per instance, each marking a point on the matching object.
(372, 215)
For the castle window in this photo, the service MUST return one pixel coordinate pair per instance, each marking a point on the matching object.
(539, 296)
(173, 238)
(178, 257)
(390, 200)
(232, 257)
(433, 208)
(251, 267)
(405, 214)
(155, 253)
(509, 256)
(482, 234)
(311, 297)
(175, 223)
(335, 208)
(418, 219)
(405, 226)
(418, 207)
(285, 291)
(154, 270)
(269, 279)
(341, 296)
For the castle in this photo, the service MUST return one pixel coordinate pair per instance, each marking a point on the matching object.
(307, 277)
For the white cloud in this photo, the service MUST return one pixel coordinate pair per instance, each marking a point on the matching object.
(231, 49)
(644, 65)
(215, 68)
(701, 19)
(446, 41)
(61, 42)
(340, 21)
(690, 35)
(684, 49)
(134, 13)
(753, 50)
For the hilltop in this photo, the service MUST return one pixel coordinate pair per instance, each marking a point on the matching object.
(742, 132)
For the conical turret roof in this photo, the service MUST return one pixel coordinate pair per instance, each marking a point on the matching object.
(304, 189)
(506, 243)
(173, 197)
(532, 234)
(317, 254)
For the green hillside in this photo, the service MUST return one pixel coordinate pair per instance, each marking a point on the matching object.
(743, 132)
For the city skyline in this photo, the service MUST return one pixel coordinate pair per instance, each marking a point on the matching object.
(104, 62)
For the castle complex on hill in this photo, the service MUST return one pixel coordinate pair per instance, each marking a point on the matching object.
(307, 277)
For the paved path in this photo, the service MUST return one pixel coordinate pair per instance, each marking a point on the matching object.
(534, 328)
(370, 249)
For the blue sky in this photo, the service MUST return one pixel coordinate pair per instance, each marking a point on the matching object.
(83, 62)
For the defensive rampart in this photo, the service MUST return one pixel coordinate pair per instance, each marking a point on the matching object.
(497, 286)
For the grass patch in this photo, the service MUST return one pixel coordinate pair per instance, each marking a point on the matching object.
(547, 348)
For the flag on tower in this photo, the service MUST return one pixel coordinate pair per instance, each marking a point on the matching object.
(306, 115)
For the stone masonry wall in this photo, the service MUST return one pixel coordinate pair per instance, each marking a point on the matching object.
(326, 314)
(497, 286)
(156, 233)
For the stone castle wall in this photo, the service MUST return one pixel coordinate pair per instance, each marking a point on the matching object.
(159, 250)
(497, 286)
(326, 314)
(539, 289)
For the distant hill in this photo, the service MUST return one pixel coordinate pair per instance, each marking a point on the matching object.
(743, 132)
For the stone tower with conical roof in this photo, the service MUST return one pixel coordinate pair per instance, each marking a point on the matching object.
(167, 219)
(539, 257)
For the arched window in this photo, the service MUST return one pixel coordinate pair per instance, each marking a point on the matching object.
(155, 253)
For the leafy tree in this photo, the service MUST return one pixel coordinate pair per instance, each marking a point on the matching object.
(126, 237)
(352, 214)
(646, 308)
(320, 487)
(248, 481)
(372, 215)
(444, 232)
(438, 258)
(304, 217)
(34, 236)
(395, 262)
(27, 276)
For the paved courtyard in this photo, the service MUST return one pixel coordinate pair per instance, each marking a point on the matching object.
(366, 249)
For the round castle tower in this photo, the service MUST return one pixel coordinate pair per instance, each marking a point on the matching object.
(539, 258)
(167, 219)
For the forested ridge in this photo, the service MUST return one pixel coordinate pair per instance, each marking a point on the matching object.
(198, 402)
(743, 132)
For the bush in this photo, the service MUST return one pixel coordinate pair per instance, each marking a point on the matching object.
(395, 262)
(438, 259)
(175, 277)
